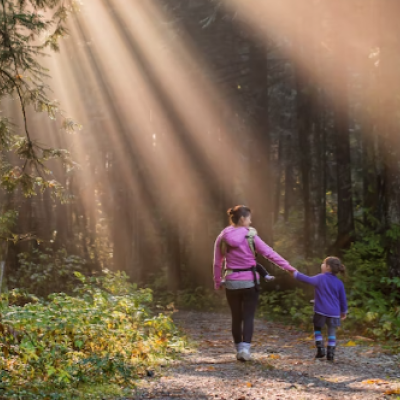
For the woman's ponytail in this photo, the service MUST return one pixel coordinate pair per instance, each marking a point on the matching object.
(235, 213)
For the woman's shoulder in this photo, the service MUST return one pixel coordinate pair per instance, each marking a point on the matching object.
(231, 228)
(251, 231)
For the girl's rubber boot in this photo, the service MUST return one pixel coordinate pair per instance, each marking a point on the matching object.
(330, 353)
(244, 353)
(320, 350)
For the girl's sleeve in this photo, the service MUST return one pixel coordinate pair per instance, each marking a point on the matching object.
(218, 260)
(343, 300)
(312, 280)
(267, 252)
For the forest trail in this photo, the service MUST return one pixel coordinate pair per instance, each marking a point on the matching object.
(283, 368)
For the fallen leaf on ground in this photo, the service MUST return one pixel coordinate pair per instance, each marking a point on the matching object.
(248, 384)
(203, 369)
(350, 344)
(275, 356)
(392, 391)
(375, 381)
(364, 339)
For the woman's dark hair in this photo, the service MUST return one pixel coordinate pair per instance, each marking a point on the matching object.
(235, 213)
(336, 265)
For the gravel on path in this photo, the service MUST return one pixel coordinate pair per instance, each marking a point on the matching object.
(283, 368)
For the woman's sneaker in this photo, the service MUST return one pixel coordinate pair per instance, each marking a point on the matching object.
(244, 352)
(238, 347)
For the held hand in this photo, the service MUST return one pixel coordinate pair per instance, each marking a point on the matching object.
(343, 316)
(269, 278)
(292, 273)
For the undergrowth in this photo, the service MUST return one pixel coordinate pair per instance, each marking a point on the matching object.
(373, 297)
(104, 335)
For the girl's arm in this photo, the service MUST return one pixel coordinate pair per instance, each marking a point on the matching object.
(218, 260)
(266, 251)
(343, 300)
(312, 280)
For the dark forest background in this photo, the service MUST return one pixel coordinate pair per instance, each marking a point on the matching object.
(128, 128)
(295, 115)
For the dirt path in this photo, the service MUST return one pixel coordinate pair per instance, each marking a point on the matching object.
(283, 367)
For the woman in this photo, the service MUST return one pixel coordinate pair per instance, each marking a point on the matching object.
(241, 280)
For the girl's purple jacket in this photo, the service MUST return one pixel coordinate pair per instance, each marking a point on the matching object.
(330, 296)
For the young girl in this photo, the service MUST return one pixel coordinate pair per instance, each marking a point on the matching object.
(330, 303)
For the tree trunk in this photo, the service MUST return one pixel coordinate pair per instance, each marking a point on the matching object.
(345, 232)
(309, 134)
(289, 177)
(324, 188)
(259, 178)
(304, 126)
(390, 86)
(174, 262)
(278, 185)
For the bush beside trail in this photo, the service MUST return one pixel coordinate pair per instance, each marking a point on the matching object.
(106, 334)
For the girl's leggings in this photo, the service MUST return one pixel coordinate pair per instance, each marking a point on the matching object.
(243, 304)
(319, 322)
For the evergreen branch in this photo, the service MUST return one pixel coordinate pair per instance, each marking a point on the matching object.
(12, 53)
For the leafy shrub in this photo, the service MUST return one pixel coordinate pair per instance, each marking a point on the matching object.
(7, 222)
(374, 298)
(199, 299)
(102, 335)
(293, 306)
(48, 271)
(19, 297)
(195, 298)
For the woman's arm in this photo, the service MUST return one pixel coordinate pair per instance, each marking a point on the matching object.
(218, 260)
(267, 252)
(312, 280)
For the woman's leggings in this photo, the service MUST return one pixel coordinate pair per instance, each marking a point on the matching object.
(243, 304)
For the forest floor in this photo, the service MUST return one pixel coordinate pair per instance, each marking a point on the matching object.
(283, 368)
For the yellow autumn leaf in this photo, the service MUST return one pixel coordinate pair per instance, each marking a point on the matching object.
(248, 384)
(375, 381)
(275, 356)
(350, 344)
(392, 391)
